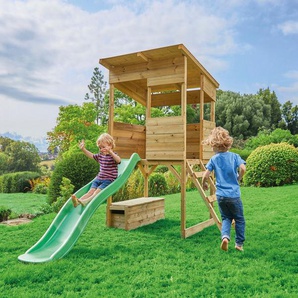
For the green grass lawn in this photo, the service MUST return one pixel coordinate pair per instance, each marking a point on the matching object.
(153, 261)
(20, 203)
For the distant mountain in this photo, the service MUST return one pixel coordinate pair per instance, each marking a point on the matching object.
(40, 143)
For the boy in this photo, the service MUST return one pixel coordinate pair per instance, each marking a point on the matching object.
(229, 169)
(108, 161)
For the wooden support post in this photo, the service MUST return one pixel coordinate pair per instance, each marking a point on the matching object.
(183, 199)
(146, 171)
(111, 110)
(212, 111)
(201, 116)
(108, 212)
(148, 107)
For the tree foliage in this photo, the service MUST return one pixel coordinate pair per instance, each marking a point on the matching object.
(74, 123)
(290, 117)
(242, 115)
(270, 99)
(97, 89)
(266, 137)
(245, 115)
(18, 156)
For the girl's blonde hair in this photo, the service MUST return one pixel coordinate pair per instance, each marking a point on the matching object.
(105, 138)
(219, 138)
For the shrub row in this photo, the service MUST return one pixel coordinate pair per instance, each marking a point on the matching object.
(17, 182)
(160, 183)
(274, 164)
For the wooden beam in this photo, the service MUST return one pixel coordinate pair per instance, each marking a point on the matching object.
(192, 58)
(198, 227)
(183, 199)
(166, 80)
(151, 69)
(148, 106)
(140, 54)
(134, 91)
(174, 172)
(111, 110)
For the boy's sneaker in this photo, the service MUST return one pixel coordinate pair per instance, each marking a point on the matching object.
(224, 244)
(239, 247)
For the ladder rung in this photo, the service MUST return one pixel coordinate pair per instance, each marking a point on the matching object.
(193, 161)
(198, 174)
(211, 198)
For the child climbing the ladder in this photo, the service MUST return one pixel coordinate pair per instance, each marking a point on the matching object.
(108, 161)
(229, 169)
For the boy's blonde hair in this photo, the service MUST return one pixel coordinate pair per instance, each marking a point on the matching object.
(220, 139)
(105, 138)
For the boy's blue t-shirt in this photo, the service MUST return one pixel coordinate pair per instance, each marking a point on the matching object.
(225, 166)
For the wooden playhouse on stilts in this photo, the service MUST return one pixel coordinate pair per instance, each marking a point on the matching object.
(167, 76)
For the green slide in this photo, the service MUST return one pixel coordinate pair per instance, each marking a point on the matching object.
(70, 222)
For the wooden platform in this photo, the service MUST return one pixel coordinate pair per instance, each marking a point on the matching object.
(135, 213)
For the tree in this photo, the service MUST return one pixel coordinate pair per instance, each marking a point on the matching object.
(290, 117)
(270, 99)
(4, 159)
(74, 123)
(97, 89)
(23, 156)
(243, 115)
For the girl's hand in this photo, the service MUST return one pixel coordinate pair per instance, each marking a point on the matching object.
(82, 144)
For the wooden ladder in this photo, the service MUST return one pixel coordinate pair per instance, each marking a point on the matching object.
(195, 169)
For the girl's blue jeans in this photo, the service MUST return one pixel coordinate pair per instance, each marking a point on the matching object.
(232, 208)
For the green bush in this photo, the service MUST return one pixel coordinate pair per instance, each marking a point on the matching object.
(272, 165)
(244, 153)
(157, 185)
(78, 168)
(46, 208)
(17, 182)
(133, 188)
(277, 136)
(4, 213)
(40, 189)
(66, 190)
(40, 185)
(173, 185)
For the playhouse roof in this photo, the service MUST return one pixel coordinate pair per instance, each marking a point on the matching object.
(140, 63)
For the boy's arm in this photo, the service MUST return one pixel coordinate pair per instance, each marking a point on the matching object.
(242, 169)
(115, 156)
(85, 151)
(206, 176)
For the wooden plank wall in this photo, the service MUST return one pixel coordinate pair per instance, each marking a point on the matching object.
(165, 138)
(129, 139)
(193, 141)
(207, 150)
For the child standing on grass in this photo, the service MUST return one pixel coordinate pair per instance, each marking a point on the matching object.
(229, 169)
(108, 161)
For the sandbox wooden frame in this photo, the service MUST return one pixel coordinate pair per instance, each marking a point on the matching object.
(164, 76)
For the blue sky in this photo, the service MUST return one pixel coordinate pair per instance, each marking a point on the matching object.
(49, 48)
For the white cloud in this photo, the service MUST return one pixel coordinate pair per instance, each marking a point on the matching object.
(49, 48)
(293, 74)
(48, 44)
(289, 91)
(289, 27)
